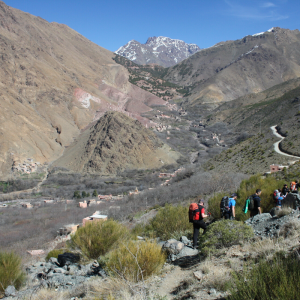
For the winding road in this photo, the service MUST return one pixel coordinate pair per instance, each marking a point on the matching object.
(276, 145)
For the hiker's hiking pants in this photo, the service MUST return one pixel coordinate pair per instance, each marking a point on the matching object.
(197, 226)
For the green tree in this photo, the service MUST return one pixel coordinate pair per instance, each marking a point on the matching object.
(83, 194)
(95, 193)
(77, 195)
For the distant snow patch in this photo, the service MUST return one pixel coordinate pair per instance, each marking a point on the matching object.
(256, 34)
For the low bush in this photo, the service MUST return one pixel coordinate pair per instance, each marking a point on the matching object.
(97, 238)
(135, 260)
(170, 222)
(214, 205)
(10, 271)
(224, 233)
(54, 253)
(276, 279)
(249, 186)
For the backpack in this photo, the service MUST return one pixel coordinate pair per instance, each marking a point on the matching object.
(293, 186)
(194, 212)
(251, 202)
(224, 205)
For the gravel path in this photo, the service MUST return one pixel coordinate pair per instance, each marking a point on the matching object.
(276, 145)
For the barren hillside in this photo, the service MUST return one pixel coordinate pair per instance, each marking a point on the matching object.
(115, 143)
(54, 82)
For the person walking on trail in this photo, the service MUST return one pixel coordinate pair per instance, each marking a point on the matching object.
(277, 197)
(199, 223)
(285, 190)
(257, 200)
(231, 204)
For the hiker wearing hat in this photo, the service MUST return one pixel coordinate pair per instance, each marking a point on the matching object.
(231, 204)
(198, 222)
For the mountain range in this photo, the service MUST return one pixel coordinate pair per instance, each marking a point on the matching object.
(160, 50)
(56, 85)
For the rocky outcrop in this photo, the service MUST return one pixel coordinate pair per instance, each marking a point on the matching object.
(53, 275)
(266, 225)
(179, 250)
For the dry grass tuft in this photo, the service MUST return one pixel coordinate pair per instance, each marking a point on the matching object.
(290, 229)
(117, 289)
(47, 294)
(283, 212)
(216, 275)
(136, 261)
(98, 238)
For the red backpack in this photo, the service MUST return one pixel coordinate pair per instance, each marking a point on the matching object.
(195, 212)
(293, 186)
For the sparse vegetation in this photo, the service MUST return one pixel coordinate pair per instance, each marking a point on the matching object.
(224, 233)
(136, 261)
(10, 271)
(54, 253)
(276, 279)
(170, 222)
(97, 238)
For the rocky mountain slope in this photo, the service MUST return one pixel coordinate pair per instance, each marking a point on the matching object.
(160, 50)
(115, 143)
(55, 83)
(150, 78)
(253, 115)
(232, 69)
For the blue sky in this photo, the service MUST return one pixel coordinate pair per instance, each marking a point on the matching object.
(111, 24)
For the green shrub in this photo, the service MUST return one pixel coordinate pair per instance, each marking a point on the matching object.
(95, 193)
(54, 253)
(224, 233)
(170, 222)
(214, 205)
(248, 187)
(10, 271)
(136, 260)
(278, 279)
(77, 195)
(97, 238)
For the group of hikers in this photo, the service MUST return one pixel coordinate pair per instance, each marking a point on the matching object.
(197, 212)
(227, 206)
(280, 194)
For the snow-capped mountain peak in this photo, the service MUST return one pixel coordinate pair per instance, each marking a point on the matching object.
(160, 50)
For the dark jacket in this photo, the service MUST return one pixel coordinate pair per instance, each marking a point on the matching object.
(257, 200)
(285, 190)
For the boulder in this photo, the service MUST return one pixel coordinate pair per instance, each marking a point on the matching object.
(198, 275)
(173, 246)
(53, 260)
(186, 241)
(68, 258)
(10, 291)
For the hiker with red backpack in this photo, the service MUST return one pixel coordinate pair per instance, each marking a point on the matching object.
(196, 216)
